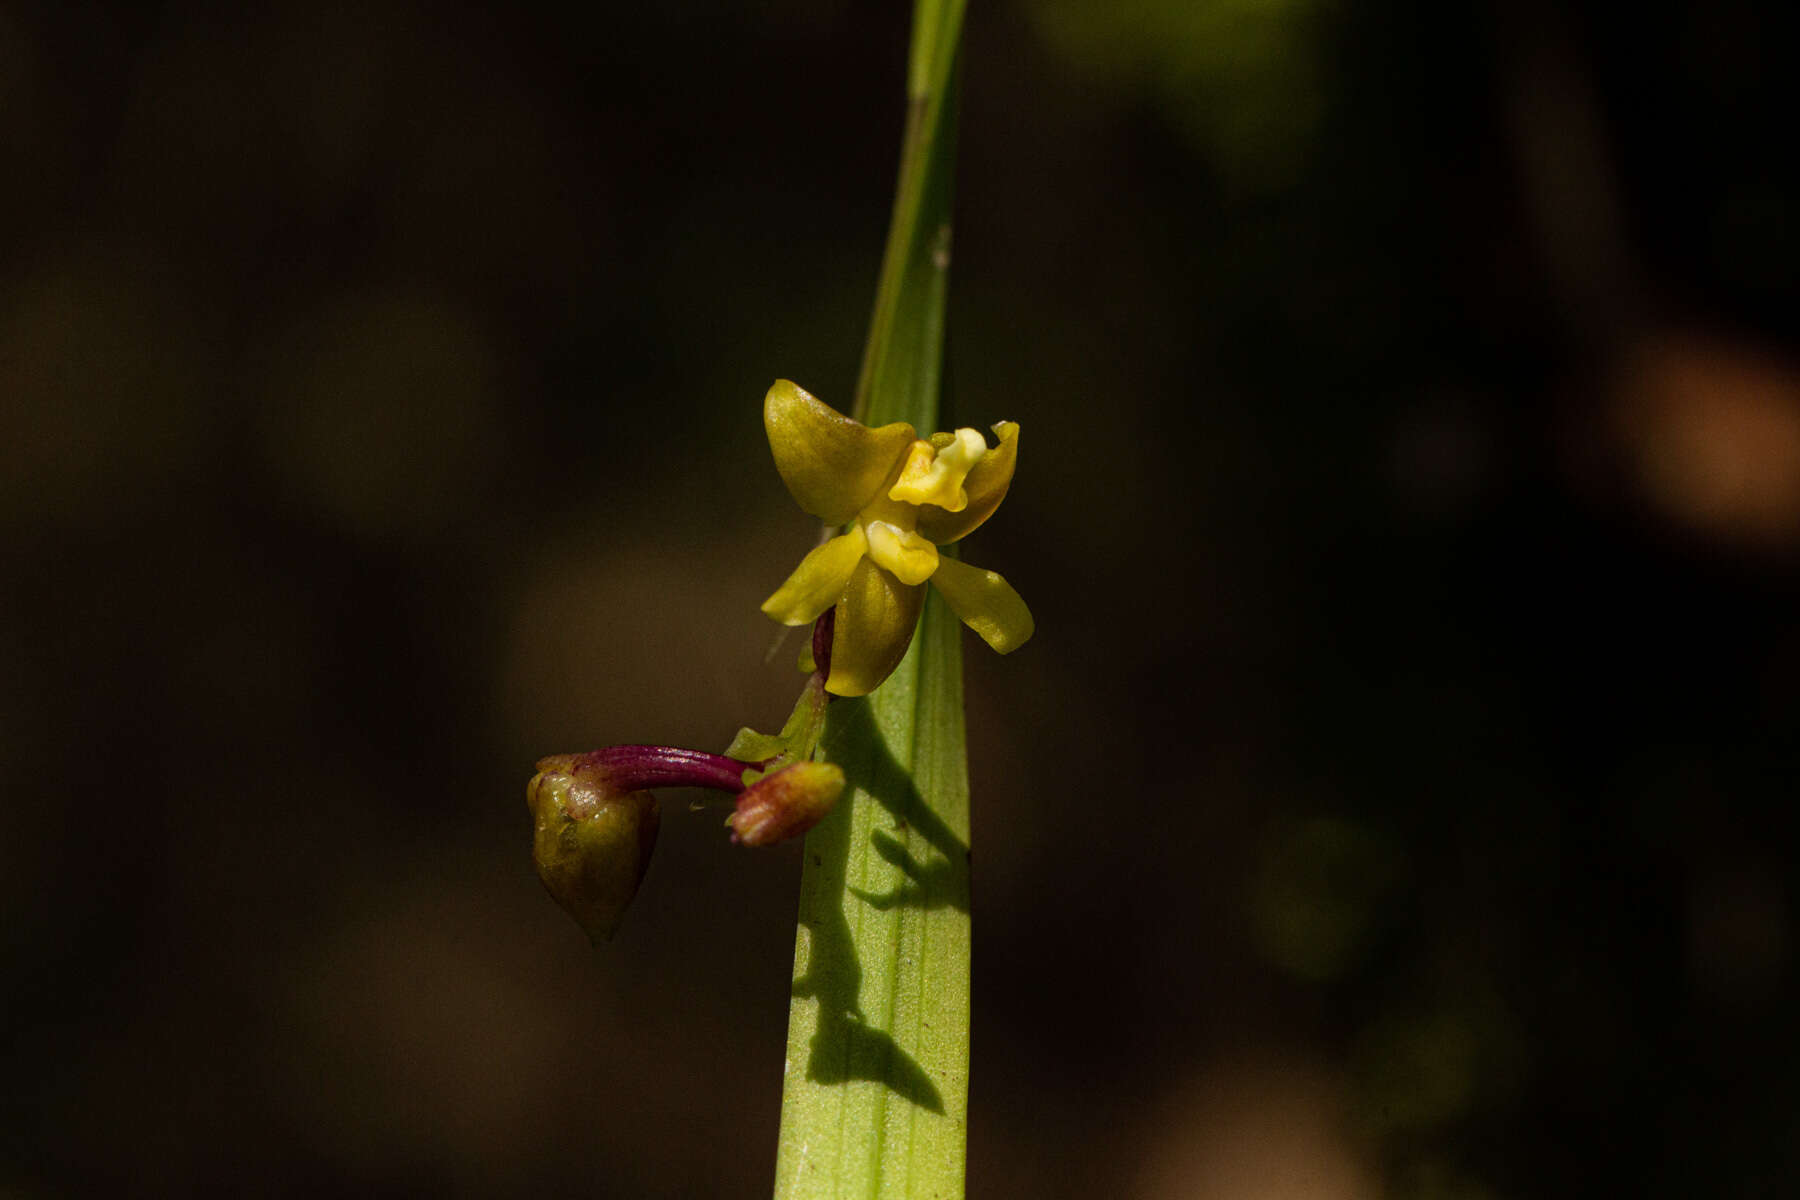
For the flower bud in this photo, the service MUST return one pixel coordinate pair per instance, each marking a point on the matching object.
(592, 840)
(786, 803)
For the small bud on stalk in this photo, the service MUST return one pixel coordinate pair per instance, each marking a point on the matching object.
(786, 803)
(596, 820)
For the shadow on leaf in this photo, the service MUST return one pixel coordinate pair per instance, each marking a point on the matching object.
(932, 881)
(845, 1047)
(927, 885)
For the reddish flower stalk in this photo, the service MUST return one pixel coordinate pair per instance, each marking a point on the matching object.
(635, 768)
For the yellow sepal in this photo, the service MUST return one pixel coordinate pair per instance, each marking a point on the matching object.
(831, 464)
(818, 581)
(986, 603)
(874, 625)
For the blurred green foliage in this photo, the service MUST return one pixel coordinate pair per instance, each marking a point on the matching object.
(1243, 78)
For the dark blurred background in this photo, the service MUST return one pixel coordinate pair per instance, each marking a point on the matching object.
(1395, 800)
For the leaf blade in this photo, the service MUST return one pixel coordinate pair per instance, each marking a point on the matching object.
(875, 1102)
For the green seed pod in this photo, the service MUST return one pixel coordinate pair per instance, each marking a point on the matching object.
(592, 841)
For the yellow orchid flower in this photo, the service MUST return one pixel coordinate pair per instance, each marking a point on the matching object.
(901, 497)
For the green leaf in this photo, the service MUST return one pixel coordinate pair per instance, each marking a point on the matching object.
(876, 1096)
(750, 746)
(903, 359)
(876, 1102)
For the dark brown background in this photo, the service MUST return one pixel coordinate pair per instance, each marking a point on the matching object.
(1397, 795)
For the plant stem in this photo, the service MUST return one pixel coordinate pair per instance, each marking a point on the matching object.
(903, 357)
(876, 1095)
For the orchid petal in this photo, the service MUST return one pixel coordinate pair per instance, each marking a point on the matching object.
(874, 625)
(908, 556)
(986, 487)
(986, 603)
(818, 581)
(831, 464)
